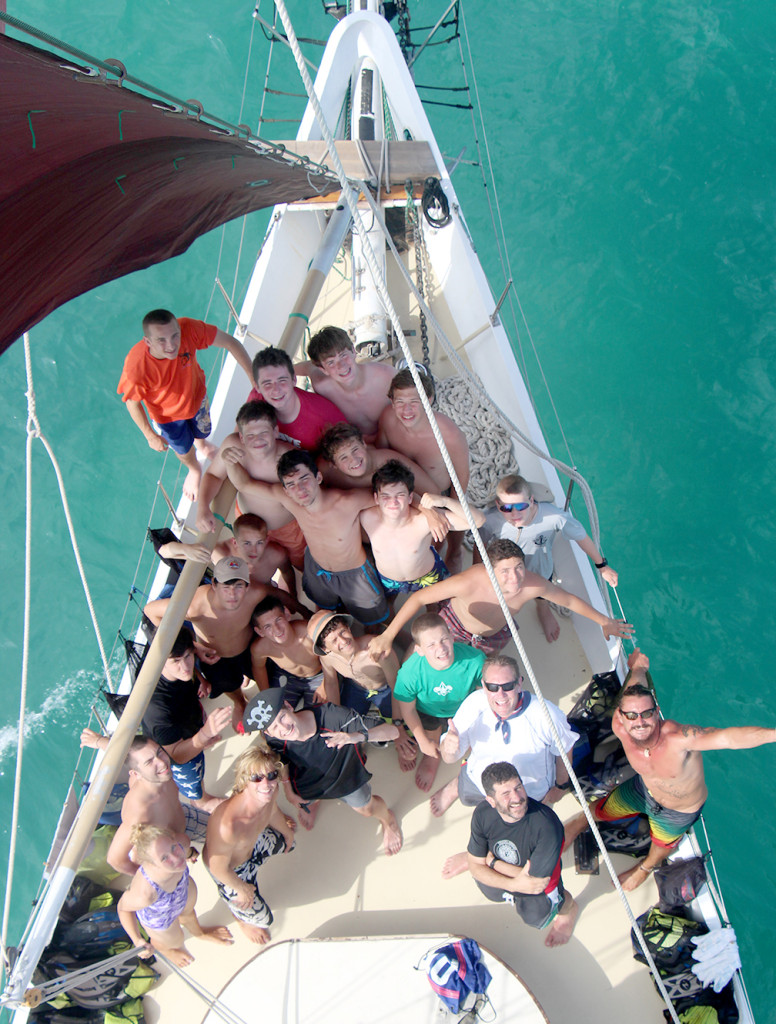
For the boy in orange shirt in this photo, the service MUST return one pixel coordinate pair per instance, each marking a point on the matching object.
(161, 372)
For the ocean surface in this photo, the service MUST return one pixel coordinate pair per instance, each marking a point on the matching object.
(634, 152)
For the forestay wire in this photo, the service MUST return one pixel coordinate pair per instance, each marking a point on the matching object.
(380, 284)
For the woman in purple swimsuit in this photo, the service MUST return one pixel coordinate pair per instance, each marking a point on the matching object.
(162, 897)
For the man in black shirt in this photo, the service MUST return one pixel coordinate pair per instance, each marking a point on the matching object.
(514, 854)
(175, 720)
(320, 745)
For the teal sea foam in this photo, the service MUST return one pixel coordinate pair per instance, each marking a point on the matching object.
(634, 156)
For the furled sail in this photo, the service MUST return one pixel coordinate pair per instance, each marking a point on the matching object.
(99, 180)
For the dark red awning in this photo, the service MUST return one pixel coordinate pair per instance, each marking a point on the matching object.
(98, 181)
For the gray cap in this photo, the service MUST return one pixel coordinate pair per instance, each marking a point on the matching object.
(265, 707)
(231, 568)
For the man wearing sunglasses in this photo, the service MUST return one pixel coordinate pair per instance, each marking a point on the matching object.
(243, 832)
(501, 722)
(669, 786)
(534, 525)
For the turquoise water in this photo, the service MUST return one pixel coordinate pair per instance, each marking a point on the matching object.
(634, 152)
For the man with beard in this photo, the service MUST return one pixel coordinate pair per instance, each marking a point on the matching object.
(514, 854)
(669, 787)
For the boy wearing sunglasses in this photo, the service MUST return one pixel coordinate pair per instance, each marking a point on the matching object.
(534, 525)
(669, 786)
(242, 833)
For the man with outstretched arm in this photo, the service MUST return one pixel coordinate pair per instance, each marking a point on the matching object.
(471, 609)
(514, 854)
(162, 379)
(669, 787)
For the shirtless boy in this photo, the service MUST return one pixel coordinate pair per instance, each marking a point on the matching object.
(264, 558)
(669, 787)
(320, 747)
(363, 682)
(346, 461)
(534, 525)
(399, 534)
(242, 834)
(161, 372)
(336, 570)
(295, 666)
(404, 427)
(153, 799)
(221, 616)
(256, 438)
(303, 416)
(472, 611)
(360, 390)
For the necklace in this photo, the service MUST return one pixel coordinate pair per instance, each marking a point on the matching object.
(648, 750)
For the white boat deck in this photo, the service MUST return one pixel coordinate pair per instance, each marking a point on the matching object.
(338, 883)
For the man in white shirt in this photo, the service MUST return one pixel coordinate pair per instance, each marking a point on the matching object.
(502, 722)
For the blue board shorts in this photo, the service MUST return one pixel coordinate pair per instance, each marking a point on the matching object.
(181, 434)
(188, 777)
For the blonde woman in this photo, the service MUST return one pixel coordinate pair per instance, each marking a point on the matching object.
(162, 896)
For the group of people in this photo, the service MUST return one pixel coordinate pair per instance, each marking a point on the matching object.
(321, 476)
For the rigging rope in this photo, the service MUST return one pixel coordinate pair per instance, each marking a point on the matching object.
(34, 431)
(500, 234)
(224, 1012)
(382, 290)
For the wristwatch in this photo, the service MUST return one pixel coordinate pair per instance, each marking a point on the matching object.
(601, 565)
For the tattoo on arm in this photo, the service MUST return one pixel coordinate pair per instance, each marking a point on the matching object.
(696, 730)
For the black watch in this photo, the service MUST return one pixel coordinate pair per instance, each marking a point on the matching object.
(602, 564)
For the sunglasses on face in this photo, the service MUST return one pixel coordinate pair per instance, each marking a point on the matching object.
(495, 687)
(258, 777)
(633, 715)
(519, 506)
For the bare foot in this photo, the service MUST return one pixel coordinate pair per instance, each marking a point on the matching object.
(260, 936)
(219, 933)
(407, 753)
(548, 621)
(633, 878)
(426, 773)
(563, 925)
(191, 483)
(205, 448)
(180, 957)
(392, 837)
(455, 865)
(444, 798)
(307, 815)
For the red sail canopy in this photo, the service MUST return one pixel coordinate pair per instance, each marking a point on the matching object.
(98, 181)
